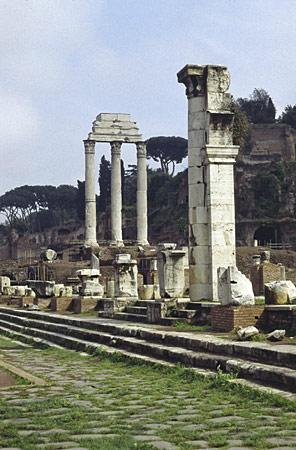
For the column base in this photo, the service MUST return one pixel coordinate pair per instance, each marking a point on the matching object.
(91, 244)
(145, 243)
(116, 244)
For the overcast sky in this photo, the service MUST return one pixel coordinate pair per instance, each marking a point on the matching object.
(65, 61)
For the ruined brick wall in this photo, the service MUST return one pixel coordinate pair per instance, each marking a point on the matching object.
(227, 318)
(272, 142)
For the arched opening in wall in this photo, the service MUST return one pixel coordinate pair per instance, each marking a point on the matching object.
(267, 235)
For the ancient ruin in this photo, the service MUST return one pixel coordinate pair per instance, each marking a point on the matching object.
(115, 129)
(211, 156)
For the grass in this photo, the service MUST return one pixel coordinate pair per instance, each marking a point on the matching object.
(183, 326)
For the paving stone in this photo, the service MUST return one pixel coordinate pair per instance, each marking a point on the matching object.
(163, 445)
(226, 419)
(156, 426)
(193, 427)
(282, 448)
(58, 445)
(198, 443)
(242, 448)
(52, 431)
(93, 436)
(145, 438)
(26, 432)
(279, 441)
(235, 442)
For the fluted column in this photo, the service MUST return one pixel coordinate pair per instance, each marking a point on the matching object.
(116, 196)
(90, 194)
(142, 225)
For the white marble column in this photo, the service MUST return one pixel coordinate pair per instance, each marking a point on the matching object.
(142, 225)
(211, 156)
(116, 195)
(90, 195)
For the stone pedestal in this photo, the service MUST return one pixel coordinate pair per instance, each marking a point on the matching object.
(211, 156)
(265, 273)
(156, 311)
(90, 285)
(90, 195)
(116, 195)
(126, 271)
(170, 264)
(142, 225)
(61, 304)
(4, 283)
(85, 304)
(113, 305)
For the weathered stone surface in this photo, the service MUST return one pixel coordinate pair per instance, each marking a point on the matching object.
(48, 255)
(170, 264)
(247, 333)
(211, 156)
(126, 271)
(155, 311)
(4, 282)
(280, 292)
(276, 335)
(90, 285)
(146, 291)
(234, 287)
(42, 288)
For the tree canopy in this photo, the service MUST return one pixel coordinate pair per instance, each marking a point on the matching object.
(259, 107)
(25, 205)
(167, 150)
(241, 125)
(289, 116)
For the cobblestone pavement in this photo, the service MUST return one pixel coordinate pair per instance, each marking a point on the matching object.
(98, 403)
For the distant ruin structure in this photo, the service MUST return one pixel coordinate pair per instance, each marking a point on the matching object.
(211, 156)
(116, 129)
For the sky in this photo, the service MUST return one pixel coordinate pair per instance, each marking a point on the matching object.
(62, 62)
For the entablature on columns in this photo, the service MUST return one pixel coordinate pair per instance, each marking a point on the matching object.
(115, 127)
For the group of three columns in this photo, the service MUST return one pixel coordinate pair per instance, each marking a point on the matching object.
(116, 194)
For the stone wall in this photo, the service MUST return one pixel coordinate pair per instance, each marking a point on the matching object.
(272, 142)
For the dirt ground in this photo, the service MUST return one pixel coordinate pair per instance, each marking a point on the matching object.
(6, 379)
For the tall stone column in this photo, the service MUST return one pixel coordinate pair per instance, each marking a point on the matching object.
(116, 195)
(211, 156)
(90, 239)
(142, 225)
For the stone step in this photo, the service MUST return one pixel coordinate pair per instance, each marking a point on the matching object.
(201, 305)
(143, 303)
(186, 313)
(131, 317)
(267, 374)
(139, 310)
(281, 355)
(171, 321)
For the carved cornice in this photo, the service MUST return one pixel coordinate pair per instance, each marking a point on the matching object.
(194, 79)
(205, 81)
(89, 146)
(141, 150)
(115, 148)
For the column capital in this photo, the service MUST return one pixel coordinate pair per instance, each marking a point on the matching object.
(206, 81)
(141, 150)
(89, 146)
(115, 148)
